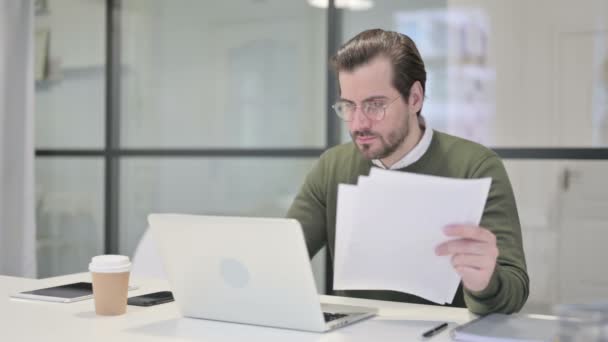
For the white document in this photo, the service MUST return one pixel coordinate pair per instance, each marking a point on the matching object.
(344, 219)
(387, 228)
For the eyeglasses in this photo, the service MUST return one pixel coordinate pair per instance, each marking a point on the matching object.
(374, 109)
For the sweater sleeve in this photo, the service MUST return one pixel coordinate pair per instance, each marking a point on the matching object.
(509, 286)
(309, 208)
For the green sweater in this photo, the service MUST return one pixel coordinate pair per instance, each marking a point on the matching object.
(447, 156)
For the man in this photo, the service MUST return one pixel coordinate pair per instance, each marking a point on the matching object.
(382, 82)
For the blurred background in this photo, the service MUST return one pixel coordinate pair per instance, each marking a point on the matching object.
(222, 108)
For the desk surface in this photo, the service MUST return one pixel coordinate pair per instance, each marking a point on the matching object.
(23, 320)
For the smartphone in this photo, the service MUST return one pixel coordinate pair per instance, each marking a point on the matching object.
(151, 299)
(67, 293)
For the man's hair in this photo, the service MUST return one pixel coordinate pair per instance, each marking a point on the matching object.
(400, 49)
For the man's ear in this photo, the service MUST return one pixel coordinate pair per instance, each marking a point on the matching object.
(416, 97)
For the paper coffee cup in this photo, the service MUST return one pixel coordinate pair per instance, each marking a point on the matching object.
(110, 275)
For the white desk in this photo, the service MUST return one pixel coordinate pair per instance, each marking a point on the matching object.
(36, 321)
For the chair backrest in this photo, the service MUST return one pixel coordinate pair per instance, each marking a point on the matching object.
(147, 261)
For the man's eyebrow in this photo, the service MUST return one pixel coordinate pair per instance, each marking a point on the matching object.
(370, 98)
(341, 99)
(375, 97)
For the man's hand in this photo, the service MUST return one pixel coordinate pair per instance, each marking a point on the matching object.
(473, 254)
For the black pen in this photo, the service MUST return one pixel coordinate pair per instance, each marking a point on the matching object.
(434, 331)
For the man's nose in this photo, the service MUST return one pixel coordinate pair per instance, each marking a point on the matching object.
(360, 121)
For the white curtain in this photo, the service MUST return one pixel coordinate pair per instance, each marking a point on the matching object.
(17, 217)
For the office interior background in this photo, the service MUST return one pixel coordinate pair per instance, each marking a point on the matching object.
(222, 108)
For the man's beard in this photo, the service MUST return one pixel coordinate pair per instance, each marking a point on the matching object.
(388, 145)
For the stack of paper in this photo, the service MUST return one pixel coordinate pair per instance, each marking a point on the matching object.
(388, 225)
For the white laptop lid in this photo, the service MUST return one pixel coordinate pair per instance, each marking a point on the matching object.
(239, 269)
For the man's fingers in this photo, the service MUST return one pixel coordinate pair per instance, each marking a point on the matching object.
(473, 279)
(472, 261)
(465, 246)
(468, 272)
(470, 232)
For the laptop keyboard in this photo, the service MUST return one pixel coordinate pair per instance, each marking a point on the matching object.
(332, 316)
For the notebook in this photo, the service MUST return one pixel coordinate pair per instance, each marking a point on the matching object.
(506, 328)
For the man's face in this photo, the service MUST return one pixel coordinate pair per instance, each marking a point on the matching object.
(376, 139)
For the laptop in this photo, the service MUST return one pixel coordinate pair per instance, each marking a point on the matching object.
(245, 270)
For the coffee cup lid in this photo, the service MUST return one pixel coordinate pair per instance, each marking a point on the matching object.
(110, 264)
